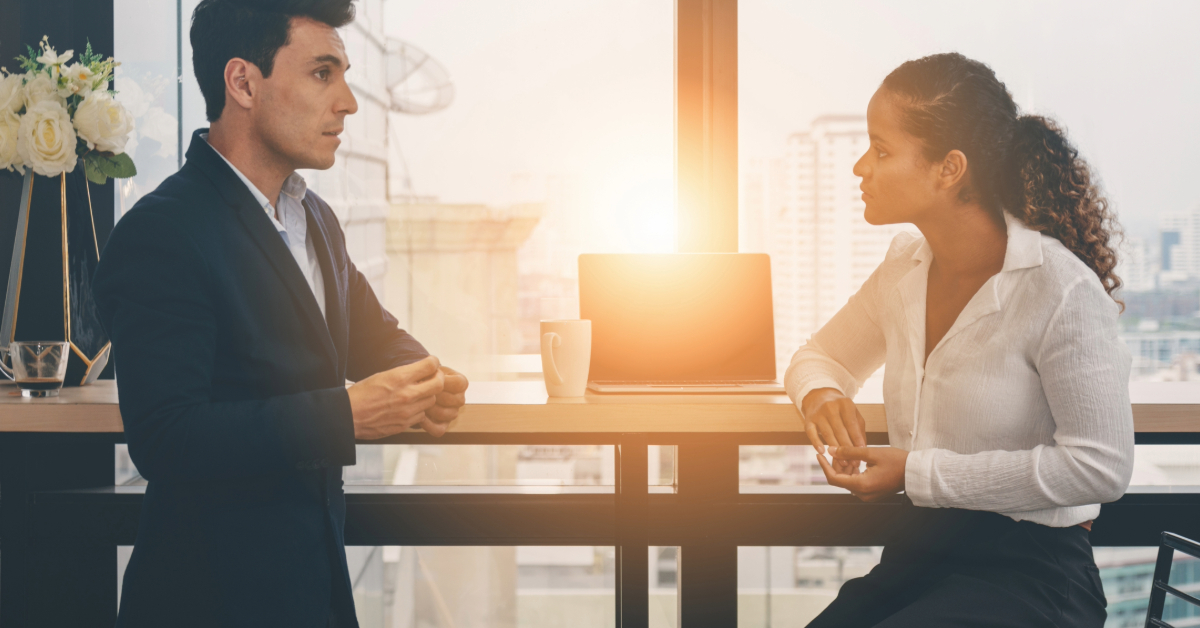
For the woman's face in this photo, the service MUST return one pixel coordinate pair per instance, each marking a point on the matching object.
(899, 184)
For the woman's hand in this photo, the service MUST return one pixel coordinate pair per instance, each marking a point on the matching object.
(831, 418)
(884, 474)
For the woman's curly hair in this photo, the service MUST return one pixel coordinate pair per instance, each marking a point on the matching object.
(1021, 163)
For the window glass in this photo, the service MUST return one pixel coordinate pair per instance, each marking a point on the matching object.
(1120, 77)
(558, 140)
(494, 143)
(530, 587)
(792, 585)
(1127, 573)
(664, 587)
(794, 468)
(484, 465)
(789, 586)
(144, 37)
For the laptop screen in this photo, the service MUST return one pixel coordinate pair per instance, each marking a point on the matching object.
(679, 317)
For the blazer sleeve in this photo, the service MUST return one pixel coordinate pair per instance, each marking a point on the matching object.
(376, 341)
(153, 292)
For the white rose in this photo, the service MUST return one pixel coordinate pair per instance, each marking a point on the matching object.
(12, 98)
(10, 123)
(46, 139)
(49, 57)
(41, 88)
(103, 123)
(79, 80)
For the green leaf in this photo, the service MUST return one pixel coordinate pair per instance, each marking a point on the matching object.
(88, 57)
(92, 171)
(115, 166)
(27, 61)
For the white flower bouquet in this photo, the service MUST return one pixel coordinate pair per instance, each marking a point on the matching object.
(57, 113)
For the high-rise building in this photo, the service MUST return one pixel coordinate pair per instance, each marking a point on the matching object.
(812, 225)
(1180, 240)
(1135, 266)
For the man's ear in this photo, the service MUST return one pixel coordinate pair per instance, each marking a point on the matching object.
(953, 172)
(241, 82)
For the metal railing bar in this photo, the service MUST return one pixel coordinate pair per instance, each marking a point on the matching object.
(1185, 545)
(1176, 592)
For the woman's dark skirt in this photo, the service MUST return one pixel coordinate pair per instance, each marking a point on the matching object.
(951, 567)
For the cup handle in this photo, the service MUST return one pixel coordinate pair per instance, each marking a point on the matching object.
(549, 341)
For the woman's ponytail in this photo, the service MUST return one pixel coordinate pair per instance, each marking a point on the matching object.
(1023, 164)
(1049, 188)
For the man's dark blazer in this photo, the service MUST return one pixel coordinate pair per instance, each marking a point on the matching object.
(232, 392)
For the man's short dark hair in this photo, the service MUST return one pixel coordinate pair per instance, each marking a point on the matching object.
(253, 30)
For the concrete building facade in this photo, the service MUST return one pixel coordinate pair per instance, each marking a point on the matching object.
(806, 211)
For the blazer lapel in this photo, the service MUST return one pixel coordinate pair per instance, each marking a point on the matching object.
(335, 288)
(272, 246)
(255, 220)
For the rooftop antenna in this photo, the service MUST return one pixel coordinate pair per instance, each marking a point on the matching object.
(417, 84)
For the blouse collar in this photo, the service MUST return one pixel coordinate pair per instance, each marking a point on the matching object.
(1024, 248)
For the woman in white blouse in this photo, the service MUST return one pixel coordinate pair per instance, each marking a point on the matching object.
(1005, 384)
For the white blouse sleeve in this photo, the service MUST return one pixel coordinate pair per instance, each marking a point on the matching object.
(1084, 369)
(847, 349)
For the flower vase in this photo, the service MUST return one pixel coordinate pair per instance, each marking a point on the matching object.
(55, 252)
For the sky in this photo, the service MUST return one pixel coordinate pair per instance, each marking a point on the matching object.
(1122, 77)
(585, 88)
(582, 91)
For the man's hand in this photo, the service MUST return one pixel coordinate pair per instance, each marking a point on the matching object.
(453, 396)
(395, 400)
(831, 418)
(884, 474)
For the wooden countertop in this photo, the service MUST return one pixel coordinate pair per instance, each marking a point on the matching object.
(523, 407)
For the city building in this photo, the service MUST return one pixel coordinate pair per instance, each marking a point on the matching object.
(1135, 265)
(1166, 355)
(806, 211)
(452, 279)
(1161, 293)
(1179, 235)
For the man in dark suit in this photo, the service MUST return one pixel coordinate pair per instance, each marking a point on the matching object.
(237, 318)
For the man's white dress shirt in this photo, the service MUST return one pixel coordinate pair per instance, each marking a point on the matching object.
(1022, 408)
(293, 228)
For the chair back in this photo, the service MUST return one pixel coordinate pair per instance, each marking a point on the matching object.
(1162, 578)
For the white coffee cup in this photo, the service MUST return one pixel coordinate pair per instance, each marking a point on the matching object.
(566, 356)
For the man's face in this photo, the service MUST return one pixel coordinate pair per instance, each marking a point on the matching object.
(305, 101)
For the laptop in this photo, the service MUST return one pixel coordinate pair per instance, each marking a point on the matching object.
(679, 323)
